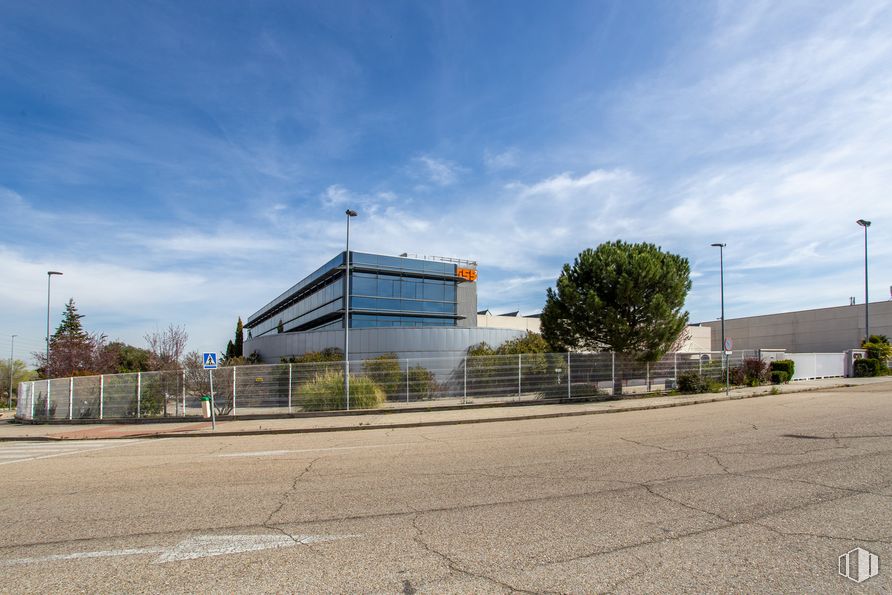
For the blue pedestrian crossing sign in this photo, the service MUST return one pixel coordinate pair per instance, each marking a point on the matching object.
(210, 360)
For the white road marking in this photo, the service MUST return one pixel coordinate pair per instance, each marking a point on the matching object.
(22, 452)
(272, 453)
(201, 546)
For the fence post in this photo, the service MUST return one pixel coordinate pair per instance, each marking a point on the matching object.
(569, 384)
(138, 394)
(101, 395)
(184, 393)
(233, 390)
(407, 380)
(612, 372)
(647, 375)
(290, 366)
(70, 397)
(700, 364)
(518, 373)
(464, 398)
(675, 365)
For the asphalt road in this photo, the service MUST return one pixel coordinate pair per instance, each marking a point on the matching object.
(757, 495)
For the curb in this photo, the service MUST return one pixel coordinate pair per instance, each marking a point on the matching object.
(427, 424)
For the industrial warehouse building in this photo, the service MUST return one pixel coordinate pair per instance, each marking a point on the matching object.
(822, 330)
(415, 307)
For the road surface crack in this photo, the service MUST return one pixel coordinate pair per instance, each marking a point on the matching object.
(268, 523)
(642, 568)
(452, 564)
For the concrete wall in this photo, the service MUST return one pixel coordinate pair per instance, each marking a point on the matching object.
(369, 342)
(823, 330)
(518, 323)
(698, 340)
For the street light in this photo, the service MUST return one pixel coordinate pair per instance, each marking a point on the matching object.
(9, 371)
(350, 213)
(721, 248)
(865, 224)
(49, 277)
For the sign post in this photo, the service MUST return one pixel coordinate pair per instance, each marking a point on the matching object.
(210, 364)
(729, 344)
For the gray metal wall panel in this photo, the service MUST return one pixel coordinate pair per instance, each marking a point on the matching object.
(466, 296)
(365, 343)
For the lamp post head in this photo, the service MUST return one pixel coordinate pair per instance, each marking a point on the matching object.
(51, 273)
(863, 223)
(718, 245)
(351, 213)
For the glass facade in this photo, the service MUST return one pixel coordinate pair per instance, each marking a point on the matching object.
(385, 291)
(322, 303)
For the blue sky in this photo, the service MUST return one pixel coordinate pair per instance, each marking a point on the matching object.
(185, 162)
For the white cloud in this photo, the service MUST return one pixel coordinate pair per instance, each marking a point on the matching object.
(497, 161)
(439, 171)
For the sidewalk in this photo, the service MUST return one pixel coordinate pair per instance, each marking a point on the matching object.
(396, 419)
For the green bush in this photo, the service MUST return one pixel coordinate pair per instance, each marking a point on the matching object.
(152, 397)
(692, 383)
(868, 367)
(784, 365)
(326, 392)
(329, 354)
(878, 348)
(422, 383)
(385, 371)
(779, 377)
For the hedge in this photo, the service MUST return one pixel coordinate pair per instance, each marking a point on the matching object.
(784, 365)
(779, 377)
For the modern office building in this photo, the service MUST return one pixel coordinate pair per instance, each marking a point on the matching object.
(415, 307)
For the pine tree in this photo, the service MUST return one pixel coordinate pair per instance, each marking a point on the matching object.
(71, 327)
(73, 351)
(239, 338)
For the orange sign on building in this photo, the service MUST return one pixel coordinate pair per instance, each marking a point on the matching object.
(469, 274)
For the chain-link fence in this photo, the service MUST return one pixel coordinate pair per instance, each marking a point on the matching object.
(374, 383)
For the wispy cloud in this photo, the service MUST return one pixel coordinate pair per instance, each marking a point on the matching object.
(497, 161)
(441, 172)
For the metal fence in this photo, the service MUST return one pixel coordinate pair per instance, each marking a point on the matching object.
(817, 365)
(378, 382)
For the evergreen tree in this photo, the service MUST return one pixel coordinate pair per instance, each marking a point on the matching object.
(239, 338)
(70, 327)
(621, 297)
(73, 351)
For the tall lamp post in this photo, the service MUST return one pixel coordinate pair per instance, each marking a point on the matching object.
(49, 277)
(9, 371)
(865, 224)
(725, 365)
(350, 213)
